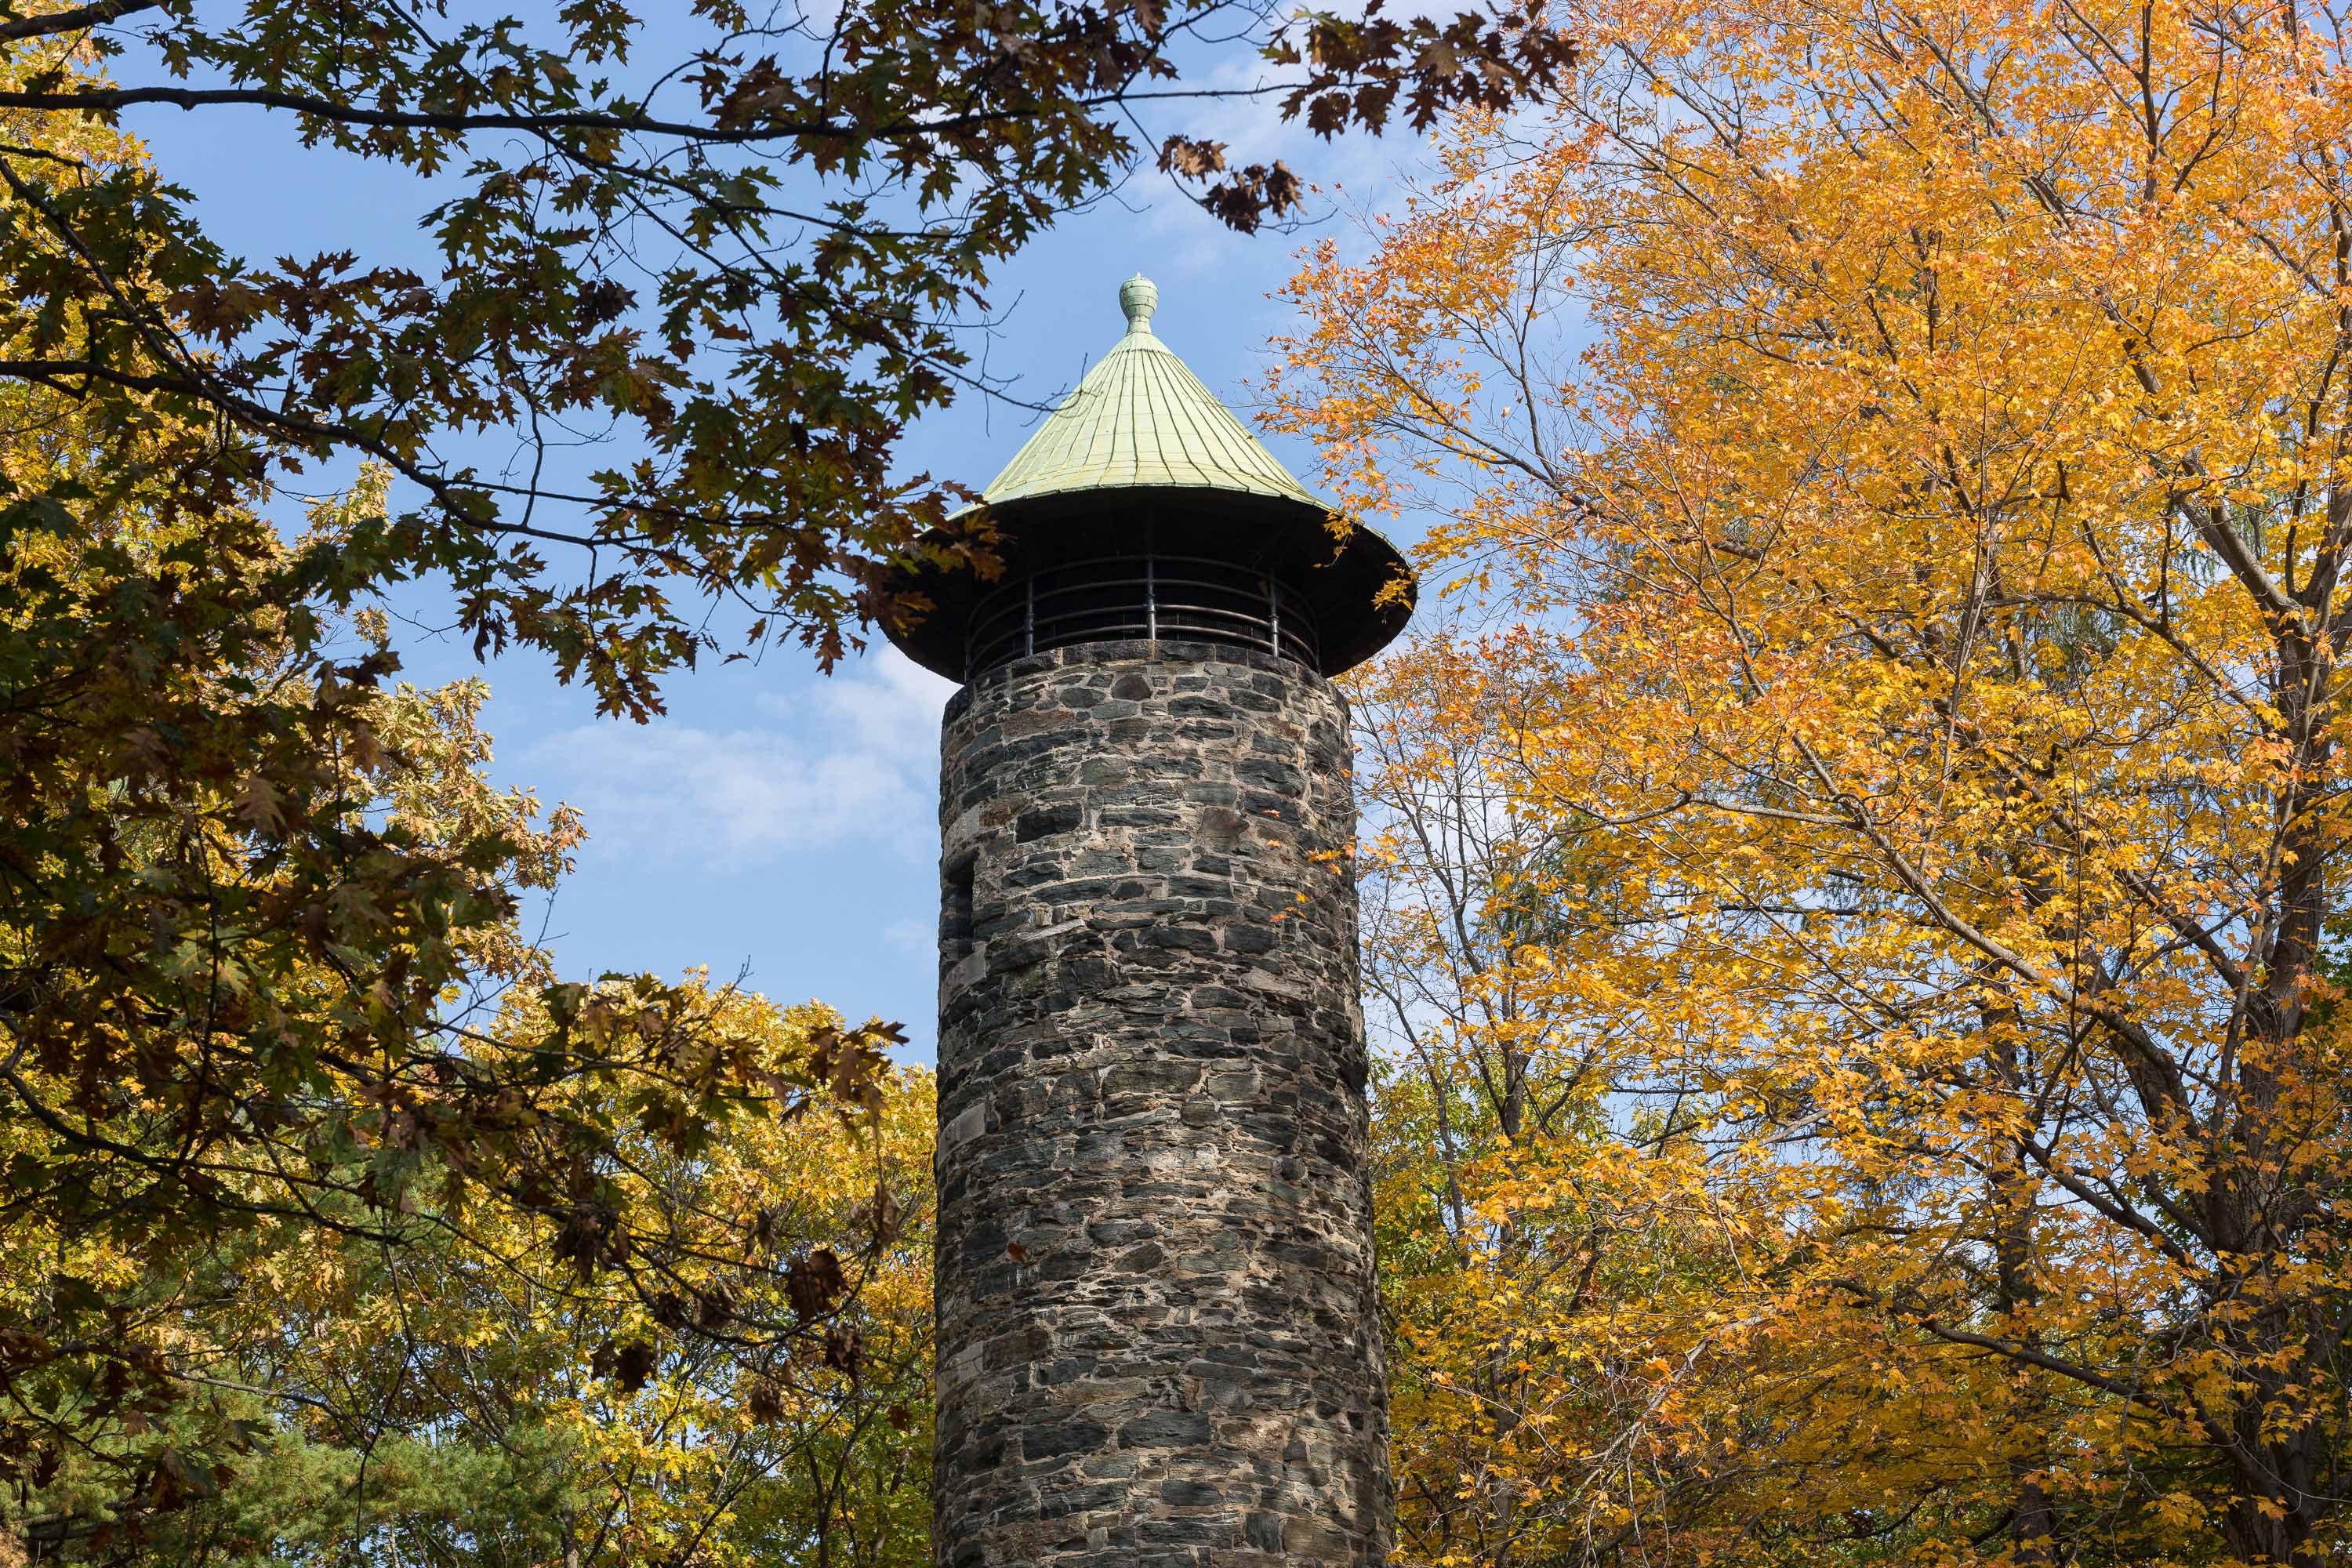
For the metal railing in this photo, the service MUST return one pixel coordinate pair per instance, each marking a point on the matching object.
(1148, 597)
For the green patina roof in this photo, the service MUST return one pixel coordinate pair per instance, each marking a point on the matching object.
(1141, 419)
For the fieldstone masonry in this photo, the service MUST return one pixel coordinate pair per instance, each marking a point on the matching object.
(1158, 1341)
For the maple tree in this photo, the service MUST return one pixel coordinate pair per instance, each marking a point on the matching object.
(1905, 453)
(1501, 1229)
(1580, 1369)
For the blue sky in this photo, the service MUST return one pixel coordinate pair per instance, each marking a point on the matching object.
(780, 824)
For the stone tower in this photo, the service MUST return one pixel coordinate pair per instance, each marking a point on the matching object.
(1156, 1337)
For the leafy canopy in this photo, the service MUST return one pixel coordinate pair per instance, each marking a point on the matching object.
(737, 246)
(258, 905)
(1908, 456)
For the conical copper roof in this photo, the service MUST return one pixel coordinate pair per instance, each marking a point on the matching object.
(1141, 461)
(1141, 419)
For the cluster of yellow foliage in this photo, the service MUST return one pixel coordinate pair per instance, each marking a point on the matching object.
(1871, 975)
(461, 1395)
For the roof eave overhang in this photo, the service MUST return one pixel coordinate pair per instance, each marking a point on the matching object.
(1357, 584)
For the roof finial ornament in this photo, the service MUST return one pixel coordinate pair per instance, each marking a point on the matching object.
(1138, 297)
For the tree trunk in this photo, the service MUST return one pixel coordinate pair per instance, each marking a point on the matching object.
(2033, 1520)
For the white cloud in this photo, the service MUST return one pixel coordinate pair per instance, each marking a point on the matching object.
(852, 759)
(890, 706)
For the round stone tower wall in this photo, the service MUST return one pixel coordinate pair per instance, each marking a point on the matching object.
(1159, 1341)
